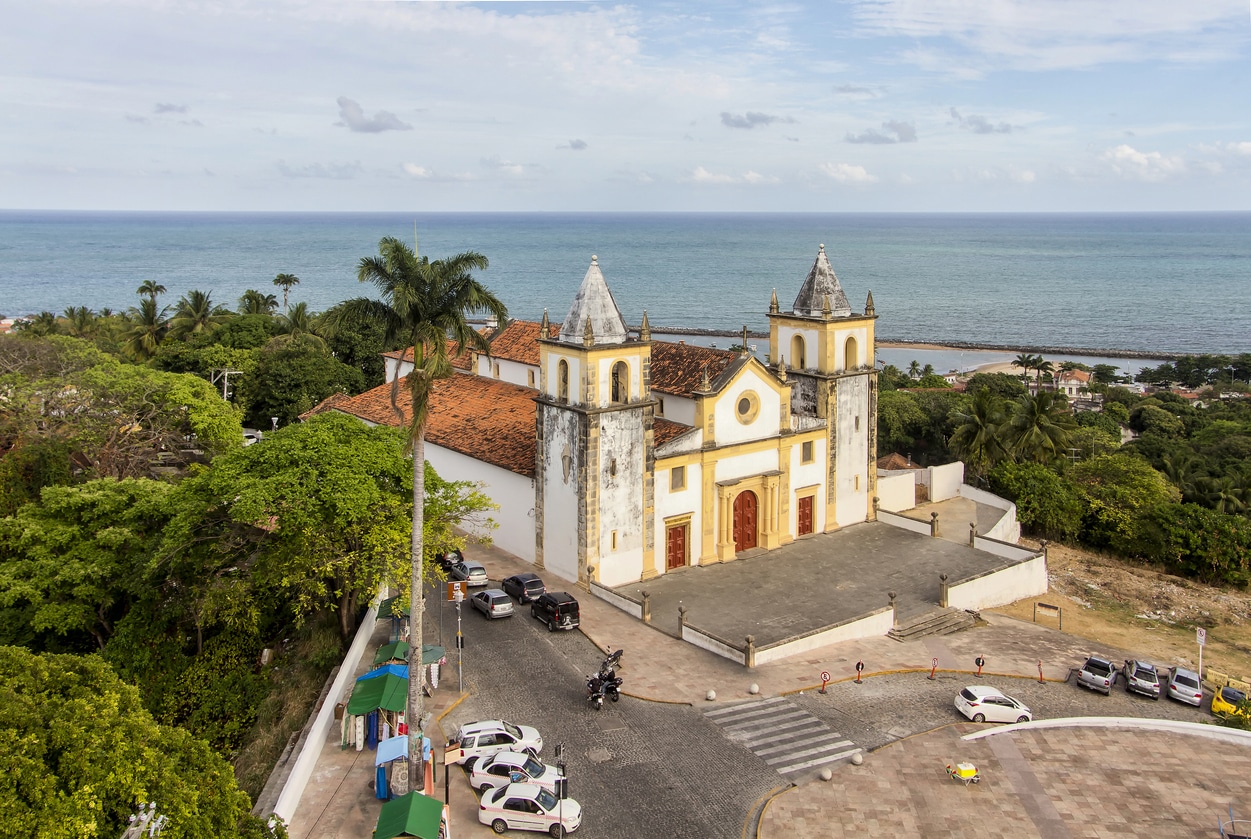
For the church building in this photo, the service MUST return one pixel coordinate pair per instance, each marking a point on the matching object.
(615, 457)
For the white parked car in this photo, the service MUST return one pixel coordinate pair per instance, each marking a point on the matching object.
(512, 767)
(478, 740)
(529, 807)
(981, 703)
(493, 603)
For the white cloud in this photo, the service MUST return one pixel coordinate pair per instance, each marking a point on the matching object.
(353, 117)
(417, 171)
(330, 171)
(1129, 162)
(757, 178)
(847, 173)
(700, 175)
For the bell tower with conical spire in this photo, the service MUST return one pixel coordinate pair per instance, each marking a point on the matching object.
(595, 455)
(829, 352)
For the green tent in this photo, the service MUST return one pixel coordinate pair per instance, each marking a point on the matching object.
(412, 814)
(390, 693)
(398, 651)
(387, 609)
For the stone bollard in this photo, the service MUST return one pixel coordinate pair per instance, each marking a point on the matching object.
(681, 620)
(972, 534)
(749, 655)
(934, 525)
(894, 609)
(647, 607)
(942, 590)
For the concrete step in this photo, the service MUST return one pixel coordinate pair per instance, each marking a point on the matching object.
(941, 622)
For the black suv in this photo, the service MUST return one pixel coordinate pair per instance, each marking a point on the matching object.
(557, 609)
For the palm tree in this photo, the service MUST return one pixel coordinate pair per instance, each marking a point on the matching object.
(1026, 362)
(152, 289)
(977, 436)
(148, 328)
(1224, 494)
(423, 304)
(254, 302)
(298, 326)
(41, 325)
(1041, 367)
(1038, 428)
(286, 281)
(914, 369)
(196, 313)
(80, 321)
(1180, 469)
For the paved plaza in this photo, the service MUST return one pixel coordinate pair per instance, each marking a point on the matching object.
(1037, 783)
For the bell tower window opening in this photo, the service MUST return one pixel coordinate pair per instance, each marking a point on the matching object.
(620, 382)
(562, 381)
(851, 356)
(798, 361)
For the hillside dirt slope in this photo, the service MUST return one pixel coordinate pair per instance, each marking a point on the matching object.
(1143, 611)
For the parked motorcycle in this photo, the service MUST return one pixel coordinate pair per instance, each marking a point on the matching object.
(595, 692)
(610, 682)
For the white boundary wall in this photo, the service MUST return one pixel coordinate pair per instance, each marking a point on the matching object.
(304, 765)
(713, 645)
(875, 625)
(1005, 585)
(903, 522)
(623, 603)
(512, 492)
(896, 491)
(1008, 528)
(1196, 729)
(944, 481)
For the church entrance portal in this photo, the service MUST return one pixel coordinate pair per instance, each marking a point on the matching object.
(675, 549)
(745, 521)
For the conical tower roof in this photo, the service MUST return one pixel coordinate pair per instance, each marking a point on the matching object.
(820, 286)
(595, 307)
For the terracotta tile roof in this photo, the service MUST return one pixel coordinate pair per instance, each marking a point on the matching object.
(679, 368)
(518, 341)
(460, 362)
(482, 418)
(894, 461)
(664, 430)
(1073, 375)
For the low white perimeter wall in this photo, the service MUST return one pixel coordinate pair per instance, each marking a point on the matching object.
(904, 522)
(306, 762)
(625, 604)
(713, 645)
(1195, 729)
(512, 492)
(896, 491)
(1007, 529)
(874, 625)
(944, 481)
(997, 588)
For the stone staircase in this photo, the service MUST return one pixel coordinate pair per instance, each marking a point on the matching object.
(941, 622)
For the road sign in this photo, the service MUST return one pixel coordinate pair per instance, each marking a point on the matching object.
(825, 675)
(1202, 635)
(455, 590)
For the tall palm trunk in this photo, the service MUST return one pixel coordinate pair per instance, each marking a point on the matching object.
(416, 699)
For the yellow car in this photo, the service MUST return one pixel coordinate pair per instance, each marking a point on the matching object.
(1229, 700)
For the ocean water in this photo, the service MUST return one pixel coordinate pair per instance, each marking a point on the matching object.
(1143, 282)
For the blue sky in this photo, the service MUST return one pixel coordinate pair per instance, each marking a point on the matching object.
(856, 106)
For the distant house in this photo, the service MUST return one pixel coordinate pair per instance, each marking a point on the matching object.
(1072, 382)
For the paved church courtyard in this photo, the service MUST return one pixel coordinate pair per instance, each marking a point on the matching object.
(812, 583)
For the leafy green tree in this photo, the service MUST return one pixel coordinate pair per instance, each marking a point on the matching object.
(80, 753)
(1046, 504)
(288, 380)
(1000, 384)
(1038, 428)
(298, 326)
(39, 326)
(286, 281)
(79, 555)
(423, 304)
(1196, 542)
(900, 421)
(1105, 374)
(1117, 411)
(1119, 489)
(358, 342)
(245, 332)
(932, 380)
(1087, 441)
(196, 313)
(80, 322)
(1149, 419)
(1100, 420)
(27, 466)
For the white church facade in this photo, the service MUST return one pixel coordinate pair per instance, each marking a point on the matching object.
(615, 458)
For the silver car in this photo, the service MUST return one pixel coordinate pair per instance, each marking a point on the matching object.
(1141, 677)
(493, 603)
(1184, 686)
(1097, 674)
(473, 573)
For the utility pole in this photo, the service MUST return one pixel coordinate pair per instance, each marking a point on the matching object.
(223, 375)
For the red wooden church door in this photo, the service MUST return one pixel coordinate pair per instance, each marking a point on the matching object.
(745, 521)
(676, 547)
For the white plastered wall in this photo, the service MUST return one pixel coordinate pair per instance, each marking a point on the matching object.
(840, 349)
(513, 372)
(561, 503)
(553, 378)
(765, 424)
(945, 481)
(669, 504)
(896, 491)
(620, 498)
(677, 408)
(852, 403)
(512, 492)
(603, 381)
(786, 336)
(805, 475)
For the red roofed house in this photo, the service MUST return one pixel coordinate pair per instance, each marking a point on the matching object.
(615, 458)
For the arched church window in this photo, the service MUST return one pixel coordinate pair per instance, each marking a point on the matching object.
(851, 357)
(562, 381)
(620, 382)
(798, 360)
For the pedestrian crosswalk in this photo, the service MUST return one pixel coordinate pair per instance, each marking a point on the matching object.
(787, 738)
